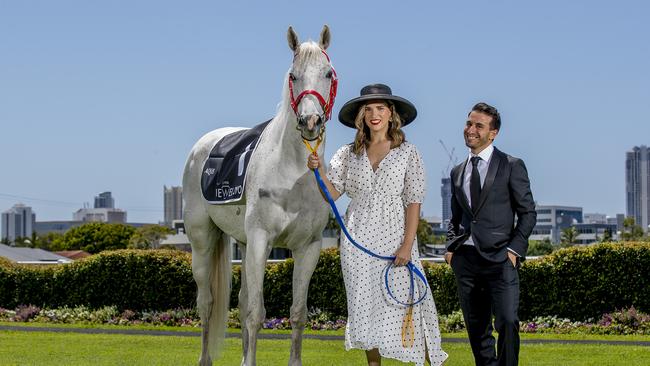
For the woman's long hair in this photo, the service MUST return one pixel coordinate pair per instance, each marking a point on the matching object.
(394, 134)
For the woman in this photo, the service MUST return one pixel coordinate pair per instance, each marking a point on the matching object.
(384, 177)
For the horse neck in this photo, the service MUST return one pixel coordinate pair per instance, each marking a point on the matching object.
(283, 132)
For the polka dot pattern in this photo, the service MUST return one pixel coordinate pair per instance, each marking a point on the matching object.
(375, 219)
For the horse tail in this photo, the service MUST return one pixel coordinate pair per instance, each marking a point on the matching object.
(211, 253)
(220, 286)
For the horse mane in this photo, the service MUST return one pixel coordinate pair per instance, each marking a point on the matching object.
(307, 52)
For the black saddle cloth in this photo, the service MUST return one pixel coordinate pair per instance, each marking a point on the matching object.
(224, 172)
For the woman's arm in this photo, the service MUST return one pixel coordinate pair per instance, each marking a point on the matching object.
(403, 254)
(314, 162)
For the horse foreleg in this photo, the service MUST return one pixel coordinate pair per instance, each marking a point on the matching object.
(257, 252)
(243, 304)
(305, 260)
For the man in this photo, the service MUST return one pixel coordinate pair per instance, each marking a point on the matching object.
(484, 243)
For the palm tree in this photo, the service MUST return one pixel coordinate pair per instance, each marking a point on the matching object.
(569, 236)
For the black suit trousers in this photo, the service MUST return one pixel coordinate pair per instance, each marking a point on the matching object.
(488, 289)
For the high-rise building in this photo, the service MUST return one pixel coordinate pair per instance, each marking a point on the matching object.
(445, 193)
(17, 222)
(637, 185)
(173, 199)
(104, 211)
(104, 200)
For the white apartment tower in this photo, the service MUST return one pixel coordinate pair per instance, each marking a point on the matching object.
(637, 185)
(17, 222)
(173, 198)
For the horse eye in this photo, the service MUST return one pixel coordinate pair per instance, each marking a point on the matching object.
(292, 76)
(329, 74)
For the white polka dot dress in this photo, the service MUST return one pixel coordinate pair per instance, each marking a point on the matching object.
(375, 219)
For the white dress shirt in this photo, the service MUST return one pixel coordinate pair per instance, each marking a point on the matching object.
(482, 166)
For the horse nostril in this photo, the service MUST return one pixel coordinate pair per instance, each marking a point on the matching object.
(310, 121)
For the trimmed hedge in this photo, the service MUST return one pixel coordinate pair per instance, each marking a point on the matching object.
(128, 279)
(443, 286)
(7, 283)
(326, 288)
(575, 283)
(582, 283)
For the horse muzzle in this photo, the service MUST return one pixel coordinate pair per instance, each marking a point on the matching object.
(310, 126)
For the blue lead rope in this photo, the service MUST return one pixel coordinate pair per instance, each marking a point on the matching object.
(413, 270)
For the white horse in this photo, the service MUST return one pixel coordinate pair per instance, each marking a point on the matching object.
(283, 208)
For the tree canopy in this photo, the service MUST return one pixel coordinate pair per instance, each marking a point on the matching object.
(148, 236)
(95, 237)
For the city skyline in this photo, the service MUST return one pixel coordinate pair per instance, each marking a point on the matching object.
(172, 203)
(87, 106)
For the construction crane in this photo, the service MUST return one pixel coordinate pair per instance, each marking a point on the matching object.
(452, 159)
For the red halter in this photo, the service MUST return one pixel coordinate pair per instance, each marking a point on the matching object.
(326, 105)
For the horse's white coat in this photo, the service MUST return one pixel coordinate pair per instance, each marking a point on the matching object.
(283, 208)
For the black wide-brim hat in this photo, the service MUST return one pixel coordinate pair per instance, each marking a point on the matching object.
(403, 107)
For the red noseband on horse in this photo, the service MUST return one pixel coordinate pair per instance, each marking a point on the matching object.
(326, 105)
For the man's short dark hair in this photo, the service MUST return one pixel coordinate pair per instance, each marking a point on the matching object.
(485, 108)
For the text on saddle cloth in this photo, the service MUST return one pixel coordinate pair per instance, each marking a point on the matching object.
(223, 177)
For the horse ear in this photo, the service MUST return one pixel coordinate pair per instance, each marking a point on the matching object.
(292, 38)
(325, 37)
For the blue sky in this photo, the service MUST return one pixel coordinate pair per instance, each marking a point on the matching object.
(112, 95)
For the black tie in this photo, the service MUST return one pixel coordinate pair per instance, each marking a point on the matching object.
(475, 183)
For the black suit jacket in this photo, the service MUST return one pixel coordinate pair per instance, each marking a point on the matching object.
(505, 193)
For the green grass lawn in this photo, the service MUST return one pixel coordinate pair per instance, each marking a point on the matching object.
(44, 348)
(340, 332)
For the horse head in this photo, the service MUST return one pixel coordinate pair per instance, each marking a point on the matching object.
(312, 84)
